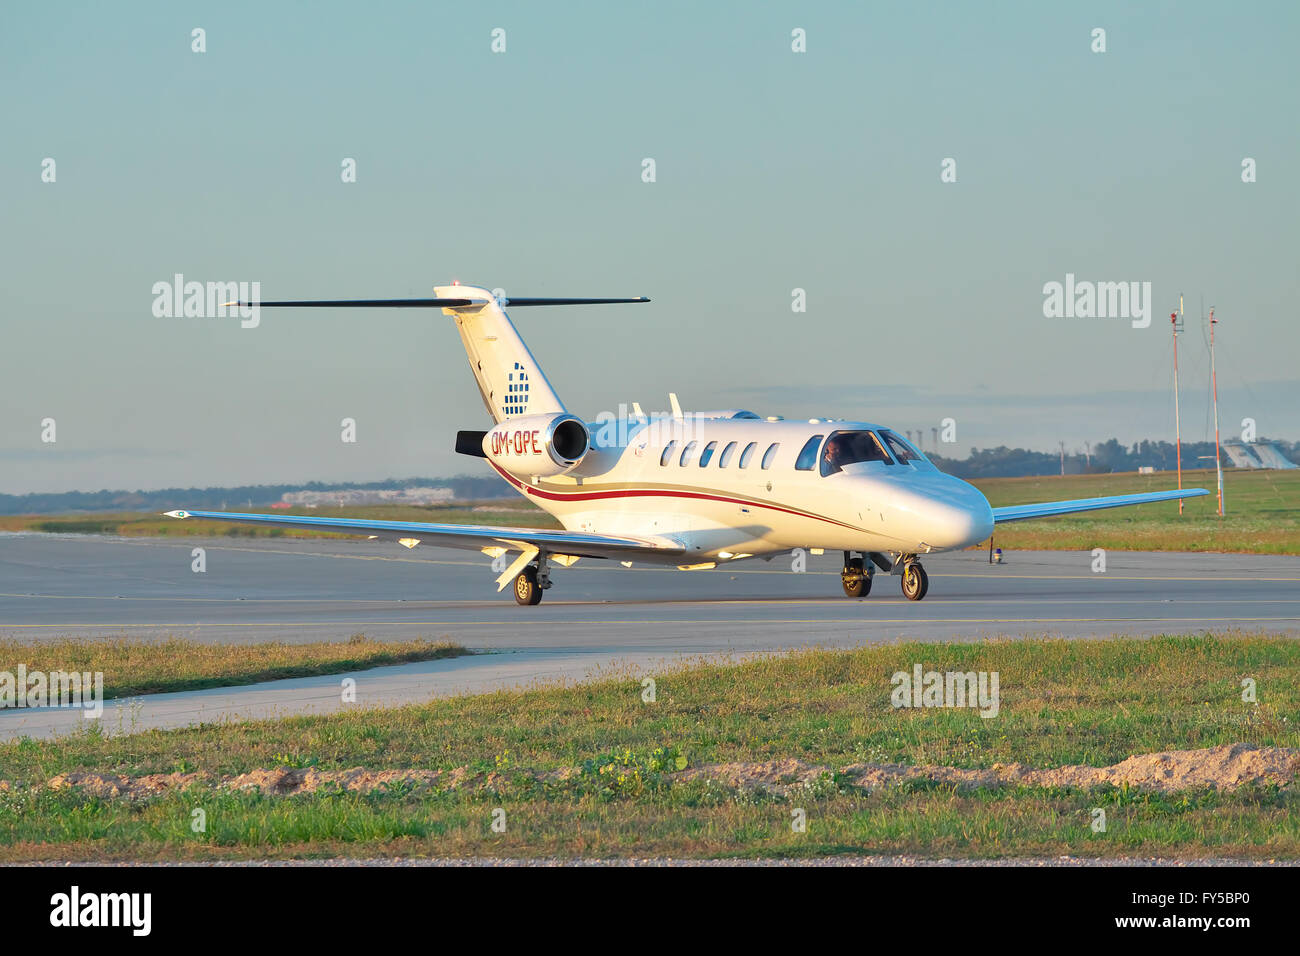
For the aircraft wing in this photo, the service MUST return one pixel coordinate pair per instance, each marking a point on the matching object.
(1050, 508)
(468, 537)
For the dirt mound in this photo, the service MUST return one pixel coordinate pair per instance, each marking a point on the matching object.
(285, 781)
(113, 785)
(774, 776)
(1226, 767)
(1221, 768)
(281, 781)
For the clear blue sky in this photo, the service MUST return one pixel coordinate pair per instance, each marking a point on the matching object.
(522, 170)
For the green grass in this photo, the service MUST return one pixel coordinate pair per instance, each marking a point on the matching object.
(142, 667)
(1062, 702)
(1262, 513)
(690, 822)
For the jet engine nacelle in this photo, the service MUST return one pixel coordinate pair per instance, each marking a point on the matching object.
(538, 445)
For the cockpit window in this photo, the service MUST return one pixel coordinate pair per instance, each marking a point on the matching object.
(807, 459)
(901, 449)
(707, 453)
(847, 448)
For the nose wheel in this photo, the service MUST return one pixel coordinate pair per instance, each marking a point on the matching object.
(915, 581)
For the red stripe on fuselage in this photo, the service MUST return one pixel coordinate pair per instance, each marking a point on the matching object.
(658, 493)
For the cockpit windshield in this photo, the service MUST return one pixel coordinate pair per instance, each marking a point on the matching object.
(848, 448)
(901, 449)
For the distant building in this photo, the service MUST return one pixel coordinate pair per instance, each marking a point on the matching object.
(1260, 454)
(368, 496)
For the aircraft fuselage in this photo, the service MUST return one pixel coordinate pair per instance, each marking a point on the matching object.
(728, 488)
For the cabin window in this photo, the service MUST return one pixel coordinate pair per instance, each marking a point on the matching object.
(770, 455)
(705, 455)
(849, 448)
(668, 452)
(807, 459)
(687, 453)
(725, 459)
(747, 454)
(901, 449)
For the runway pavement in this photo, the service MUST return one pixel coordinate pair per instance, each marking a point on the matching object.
(598, 615)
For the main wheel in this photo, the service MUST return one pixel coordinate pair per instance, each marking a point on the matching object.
(915, 582)
(856, 583)
(527, 590)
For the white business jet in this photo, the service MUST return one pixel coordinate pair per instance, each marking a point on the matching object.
(693, 490)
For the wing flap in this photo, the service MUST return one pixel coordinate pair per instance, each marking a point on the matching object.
(1050, 509)
(468, 537)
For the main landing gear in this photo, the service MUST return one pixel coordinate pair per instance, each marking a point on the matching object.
(531, 582)
(855, 579)
(857, 574)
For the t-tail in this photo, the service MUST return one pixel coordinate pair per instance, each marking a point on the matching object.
(508, 377)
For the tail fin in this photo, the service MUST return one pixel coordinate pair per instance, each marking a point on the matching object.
(509, 378)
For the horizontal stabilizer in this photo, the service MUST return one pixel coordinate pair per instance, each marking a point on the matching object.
(516, 300)
(360, 304)
(420, 303)
(1049, 509)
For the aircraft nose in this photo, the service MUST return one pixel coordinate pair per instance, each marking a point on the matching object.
(949, 513)
(959, 526)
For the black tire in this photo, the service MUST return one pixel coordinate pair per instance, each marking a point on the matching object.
(915, 582)
(855, 581)
(527, 591)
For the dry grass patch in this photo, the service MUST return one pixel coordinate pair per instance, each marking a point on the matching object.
(132, 667)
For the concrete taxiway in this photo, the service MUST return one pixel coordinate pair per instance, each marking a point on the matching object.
(598, 616)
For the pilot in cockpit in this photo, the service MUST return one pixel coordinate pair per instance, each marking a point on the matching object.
(834, 455)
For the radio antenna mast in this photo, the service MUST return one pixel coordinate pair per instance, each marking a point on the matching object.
(1214, 378)
(1178, 428)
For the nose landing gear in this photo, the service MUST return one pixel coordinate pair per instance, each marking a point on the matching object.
(915, 581)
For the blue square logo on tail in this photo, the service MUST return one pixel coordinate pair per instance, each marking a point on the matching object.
(515, 401)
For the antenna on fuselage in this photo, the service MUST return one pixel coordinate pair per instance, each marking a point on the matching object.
(676, 406)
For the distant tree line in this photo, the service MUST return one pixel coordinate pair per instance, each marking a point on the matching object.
(1103, 458)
